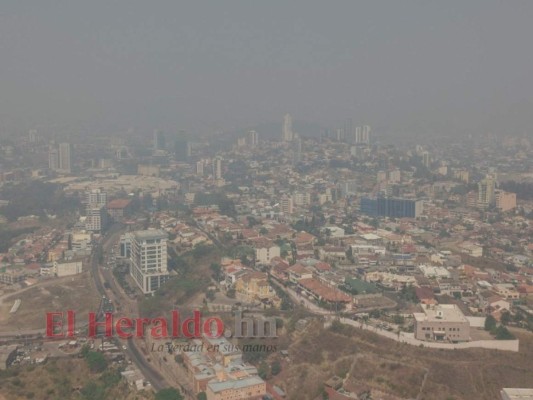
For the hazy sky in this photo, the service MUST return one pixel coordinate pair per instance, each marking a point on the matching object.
(460, 66)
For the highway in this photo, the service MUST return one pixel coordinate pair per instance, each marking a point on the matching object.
(128, 308)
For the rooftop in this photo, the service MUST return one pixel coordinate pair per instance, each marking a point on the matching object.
(150, 234)
(441, 312)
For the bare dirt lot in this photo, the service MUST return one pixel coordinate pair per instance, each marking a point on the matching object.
(70, 293)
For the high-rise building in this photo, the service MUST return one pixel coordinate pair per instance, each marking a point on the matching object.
(349, 133)
(391, 207)
(65, 157)
(297, 150)
(33, 137)
(53, 159)
(348, 188)
(426, 159)
(362, 135)
(96, 219)
(159, 140)
(200, 168)
(148, 259)
(287, 134)
(252, 139)
(96, 198)
(217, 168)
(505, 201)
(366, 134)
(182, 147)
(486, 189)
(286, 205)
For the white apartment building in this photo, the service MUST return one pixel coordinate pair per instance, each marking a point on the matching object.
(148, 259)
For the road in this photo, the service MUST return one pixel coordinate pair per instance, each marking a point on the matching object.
(128, 309)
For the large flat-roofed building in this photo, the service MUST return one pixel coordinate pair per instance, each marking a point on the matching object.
(391, 207)
(148, 259)
(251, 387)
(119, 208)
(516, 394)
(443, 322)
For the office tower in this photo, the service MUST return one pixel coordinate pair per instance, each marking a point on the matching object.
(217, 168)
(96, 198)
(95, 210)
(53, 159)
(391, 207)
(286, 134)
(33, 137)
(505, 201)
(339, 135)
(252, 139)
(349, 133)
(159, 140)
(348, 188)
(148, 259)
(426, 159)
(286, 205)
(395, 176)
(297, 150)
(96, 219)
(486, 189)
(362, 135)
(366, 134)
(182, 147)
(64, 157)
(200, 168)
(301, 199)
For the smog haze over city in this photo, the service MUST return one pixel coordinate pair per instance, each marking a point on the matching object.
(446, 68)
(266, 200)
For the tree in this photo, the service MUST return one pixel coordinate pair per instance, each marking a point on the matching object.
(169, 394)
(96, 361)
(490, 323)
(263, 370)
(275, 368)
(506, 318)
(202, 396)
(502, 333)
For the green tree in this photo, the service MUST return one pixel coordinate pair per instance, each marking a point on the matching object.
(506, 318)
(490, 323)
(96, 361)
(169, 394)
(263, 370)
(202, 396)
(275, 368)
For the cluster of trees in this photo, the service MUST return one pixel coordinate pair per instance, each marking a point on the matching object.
(500, 332)
(37, 198)
(99, 389)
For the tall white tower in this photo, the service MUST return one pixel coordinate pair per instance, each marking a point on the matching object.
(286, 134)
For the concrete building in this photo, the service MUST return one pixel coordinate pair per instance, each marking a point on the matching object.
(65, 150)
(505, 201)
(287, 134)
(251, 387)
(264, 253)
(485, 192)
(118, 209)
(67, 268)
(148, 259)
(391, 207)
(444, 322)
(286, 205)
(96, 198)
(252, 139)
(53, 159)
(96, 219)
